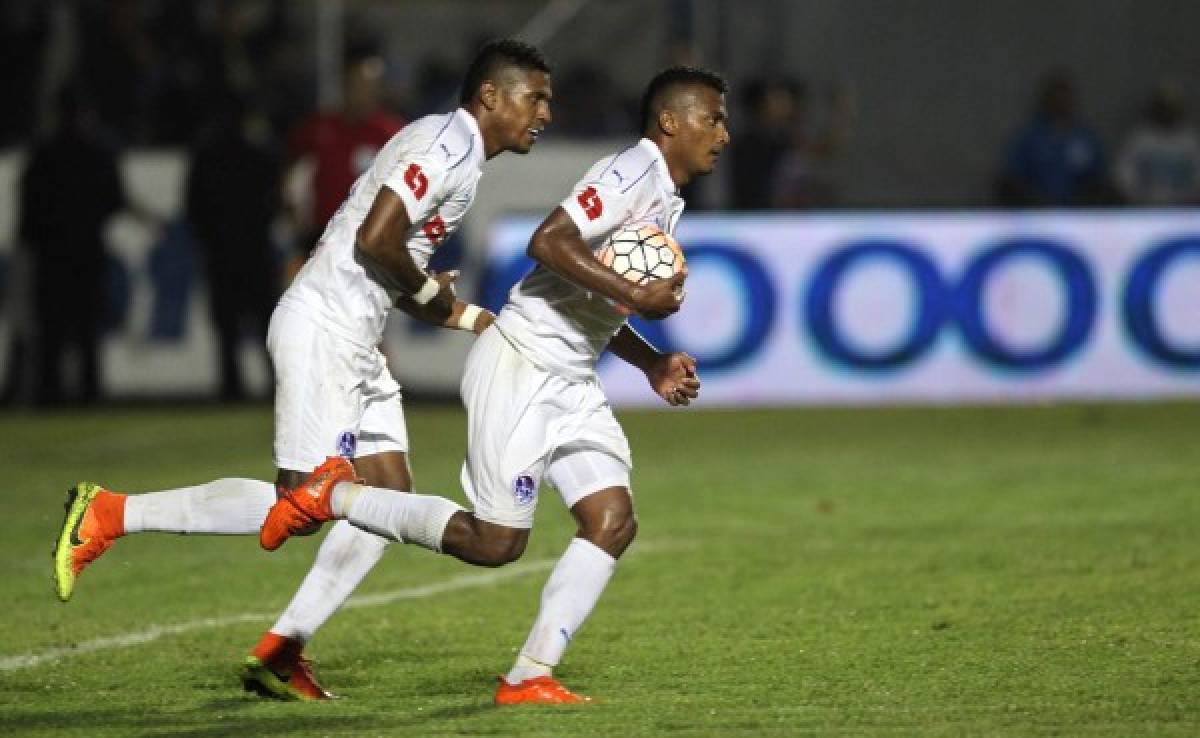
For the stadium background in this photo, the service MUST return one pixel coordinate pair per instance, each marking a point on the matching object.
(902, 108)
(1010, 553)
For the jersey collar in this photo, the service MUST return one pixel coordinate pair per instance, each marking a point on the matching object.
(472, 125)
(659, 161)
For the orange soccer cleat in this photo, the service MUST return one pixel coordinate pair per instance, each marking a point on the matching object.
(297, 512)
(95, 517)
(276, 669)
(542, 690)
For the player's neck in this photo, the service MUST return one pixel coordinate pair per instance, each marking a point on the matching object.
(491, 143)
(680, 174)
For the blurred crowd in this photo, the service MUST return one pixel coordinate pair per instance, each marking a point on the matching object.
(1057, 160)
(173, 74)
(229, 82)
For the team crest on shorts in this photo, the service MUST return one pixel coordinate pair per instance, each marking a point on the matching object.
(346, 443)
(524, 489)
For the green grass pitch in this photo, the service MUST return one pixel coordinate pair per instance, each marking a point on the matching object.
(934, 572)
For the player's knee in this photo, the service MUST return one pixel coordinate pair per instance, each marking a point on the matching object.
(627, 532)
(483, 544)
(613, 533)
(500, 552)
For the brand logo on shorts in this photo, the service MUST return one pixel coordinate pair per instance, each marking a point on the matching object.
(524, 489)
(346, 443)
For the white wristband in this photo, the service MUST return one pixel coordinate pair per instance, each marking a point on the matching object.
(428, 291)
(470, 314)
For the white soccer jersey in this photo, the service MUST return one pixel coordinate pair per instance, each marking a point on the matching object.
(559, 325)
(433, 165)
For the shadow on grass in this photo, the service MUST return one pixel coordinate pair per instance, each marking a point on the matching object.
(457, 697)
(223, 718)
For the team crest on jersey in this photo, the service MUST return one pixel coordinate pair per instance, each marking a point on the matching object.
(524, 489)
(346, 444)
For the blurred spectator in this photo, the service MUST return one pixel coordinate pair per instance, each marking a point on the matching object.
(758, 147)
(782, 152)
(70, 188)
(342, 143)
(1159, 162)
(232, 196)
(23, 33)
(804, 177)
(1056, 160)
(230, 52)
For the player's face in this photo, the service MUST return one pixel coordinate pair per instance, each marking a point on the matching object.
(523, 108)
(703, 130)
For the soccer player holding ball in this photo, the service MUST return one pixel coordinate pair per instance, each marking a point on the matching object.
(535, 408)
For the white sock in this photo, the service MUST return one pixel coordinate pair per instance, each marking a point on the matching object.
(230, 506)
(527, 668)
(345, 557)
(401, 516)
(568, 598)
(343, 497)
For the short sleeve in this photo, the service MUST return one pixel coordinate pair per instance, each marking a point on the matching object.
(598, 208)
(418, 181)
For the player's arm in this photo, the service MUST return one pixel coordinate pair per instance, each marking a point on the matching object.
(673, 376)
(382, 250)
(463, 316)
(559, 246)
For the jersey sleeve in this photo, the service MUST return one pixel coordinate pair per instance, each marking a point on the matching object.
(598, 208)
(418, 181)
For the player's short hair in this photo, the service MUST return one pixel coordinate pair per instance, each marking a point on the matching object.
(668, 79)
(495, 56)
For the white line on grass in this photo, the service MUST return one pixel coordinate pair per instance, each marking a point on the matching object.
(154, 632)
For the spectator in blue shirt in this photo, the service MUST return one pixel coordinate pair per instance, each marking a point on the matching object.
(1056, 160)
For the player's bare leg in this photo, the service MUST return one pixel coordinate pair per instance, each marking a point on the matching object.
(428, 521)
(606, 528)
(276, 666)
(482, 543)
(432, 522)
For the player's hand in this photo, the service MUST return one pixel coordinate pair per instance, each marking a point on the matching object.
(437, 310)
(673, 377)
(660, 298)
(441, 306)
(483, 319)
(446, 280)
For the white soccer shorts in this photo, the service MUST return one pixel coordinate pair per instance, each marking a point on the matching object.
(525, 423)
(332, 396)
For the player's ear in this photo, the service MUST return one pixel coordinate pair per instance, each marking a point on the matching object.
(667, 122)
(489, 94)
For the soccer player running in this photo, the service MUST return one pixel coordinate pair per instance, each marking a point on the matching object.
(535, 408)
(334, 394)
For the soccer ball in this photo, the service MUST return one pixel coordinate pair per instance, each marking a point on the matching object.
(641, 253)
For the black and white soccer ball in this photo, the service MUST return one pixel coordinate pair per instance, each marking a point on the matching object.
(642, 253)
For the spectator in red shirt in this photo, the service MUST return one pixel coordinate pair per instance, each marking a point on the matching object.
(341, 143)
